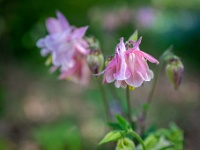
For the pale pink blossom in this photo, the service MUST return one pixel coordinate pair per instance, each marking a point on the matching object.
(129, 66)
(67, 48)
(63, 42)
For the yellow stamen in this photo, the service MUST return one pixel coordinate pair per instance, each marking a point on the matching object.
(69, 78)
(131, 88)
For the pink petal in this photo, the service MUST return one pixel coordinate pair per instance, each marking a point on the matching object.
(148, 57)
(68, 72)
(81, 48)
(63, 21)
(53, 41)
(135, 80)
(121, 46)
(63, 56)
(117, 83)
(79, 32)
(121, 69)
(121, 66)
(136, 45)
(131, 62)
(53, 25)
(53, 69)
(142, 67)
(79, 73)
(85, 74)
(144, 77)
(111, 64)
(109, 76)
(150, 74)
(45, 52)
(40, 43)
(104, 79)
(123, 84)
(98, 74)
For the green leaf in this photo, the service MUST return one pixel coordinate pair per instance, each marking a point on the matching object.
(163, 144)
(156, 143)
(123, 123)
(150, 141)
(114, 126)
(111, 136)
(165, 139)
(174, 135)
(134, 36)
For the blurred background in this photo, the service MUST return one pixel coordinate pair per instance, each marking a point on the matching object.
(39, 112)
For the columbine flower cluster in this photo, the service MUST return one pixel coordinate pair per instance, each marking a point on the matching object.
(67, 48)
(129, 65)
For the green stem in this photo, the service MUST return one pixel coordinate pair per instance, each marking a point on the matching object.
(151, 93)
(138, 138)
(128, 105)
(104, 98)
(143, 117)
(162, 59)
(114, 93)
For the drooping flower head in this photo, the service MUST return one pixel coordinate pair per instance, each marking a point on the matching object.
(64, 44)
(129, 65)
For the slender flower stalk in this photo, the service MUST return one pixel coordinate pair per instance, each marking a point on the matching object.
(138, 138)
(142, 119)
(114, 93)
(95, 62)
(152, 91)
(128, 105)
(162, 59)
(104, 98)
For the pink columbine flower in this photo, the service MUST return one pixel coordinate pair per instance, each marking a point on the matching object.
(129, 66)
(67, 47)
(63, 42)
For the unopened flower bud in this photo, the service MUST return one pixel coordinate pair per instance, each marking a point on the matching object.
(48, 61)
(95, 61)
(93, 43)
(108, 60)
(125, 144)
(174, 71)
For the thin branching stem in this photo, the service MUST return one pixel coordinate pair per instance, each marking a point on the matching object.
(142, 119)
(104, 98)
(128, 105)
(138, 138)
